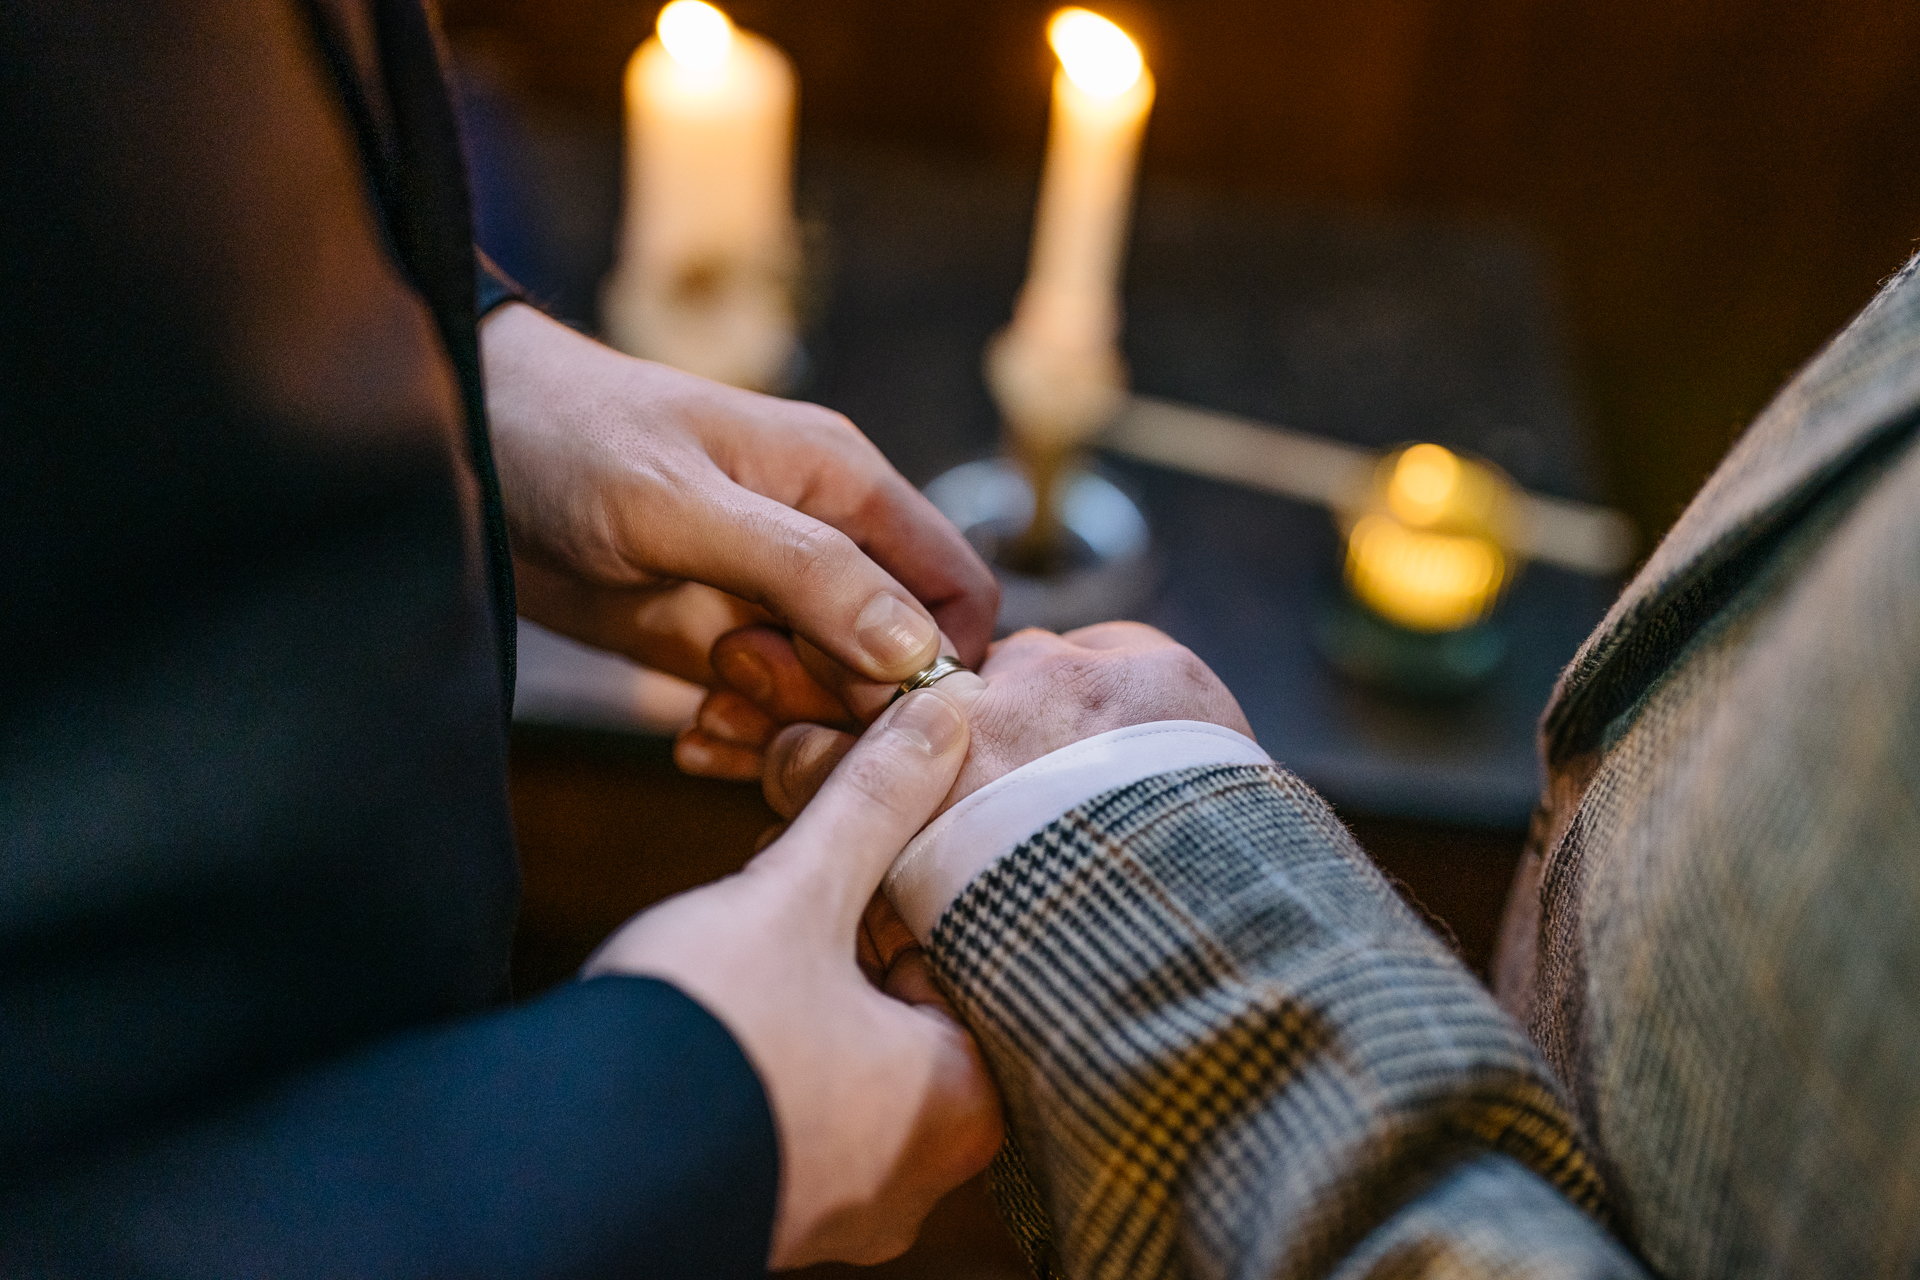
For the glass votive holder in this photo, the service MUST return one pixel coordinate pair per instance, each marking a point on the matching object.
(1429, 553)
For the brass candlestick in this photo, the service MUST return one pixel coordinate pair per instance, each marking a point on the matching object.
(1069, 547)
(1040, 549)
(1053, 399)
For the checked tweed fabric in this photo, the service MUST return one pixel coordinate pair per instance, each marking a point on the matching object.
(1726, 967)
(1228, 1049)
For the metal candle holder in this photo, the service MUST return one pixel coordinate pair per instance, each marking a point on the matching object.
(1068, 545)
(1431, 548)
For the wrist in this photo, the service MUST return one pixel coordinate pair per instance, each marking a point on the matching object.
(988, 824)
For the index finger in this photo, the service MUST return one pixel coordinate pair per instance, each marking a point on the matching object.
(909, 537)
(826, 468)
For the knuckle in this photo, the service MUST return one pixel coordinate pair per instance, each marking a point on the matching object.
(817, 417)
(813, 754)
(786, 771)
(816, 559)
(1140, 635)
(790, 776)
(1121, 634)
(1181, 661)
(837, 425)
(1094, 681)
(1189, 668)
(1182, 683)
(874, 775)
(1028, 644)
(834, 431)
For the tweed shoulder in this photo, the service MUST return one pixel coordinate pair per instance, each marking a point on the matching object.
(1730, 934)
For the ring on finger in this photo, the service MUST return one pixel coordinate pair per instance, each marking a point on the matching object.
(934, 672)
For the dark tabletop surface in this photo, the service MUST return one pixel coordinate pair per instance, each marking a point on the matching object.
(1369, 330)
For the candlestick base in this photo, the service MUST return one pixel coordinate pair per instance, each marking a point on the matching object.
(1101, 567)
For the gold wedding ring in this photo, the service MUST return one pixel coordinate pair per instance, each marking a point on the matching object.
(934, 672)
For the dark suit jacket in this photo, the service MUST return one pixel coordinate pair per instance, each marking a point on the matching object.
(257, 879)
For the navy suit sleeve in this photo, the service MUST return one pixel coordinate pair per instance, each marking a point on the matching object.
(257, 875)
(610, 1129)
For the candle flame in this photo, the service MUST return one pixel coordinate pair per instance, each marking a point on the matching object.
(1097, 55)
(1423, 581)
(1424, 483)
(697, 35)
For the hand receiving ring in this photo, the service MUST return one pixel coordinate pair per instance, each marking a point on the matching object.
(939, 669)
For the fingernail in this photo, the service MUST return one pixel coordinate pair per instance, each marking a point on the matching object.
(748, 673)
(928, 721)
(894, 634)
(730, 722)
(693, 755)
(805, 760)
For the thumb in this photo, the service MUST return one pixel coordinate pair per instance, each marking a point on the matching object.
(876, 799)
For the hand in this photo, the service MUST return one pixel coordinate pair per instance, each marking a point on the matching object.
(880, 1098)
(652, 511)
(1038, 692)
(768, 679)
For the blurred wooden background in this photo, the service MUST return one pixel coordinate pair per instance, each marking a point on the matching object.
(1720, 182)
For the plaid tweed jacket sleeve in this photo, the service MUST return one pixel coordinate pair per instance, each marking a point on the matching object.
(1228, 1049)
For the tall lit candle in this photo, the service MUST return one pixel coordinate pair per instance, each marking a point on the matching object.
(1056, 371)
(1101, 95)
(708, 248)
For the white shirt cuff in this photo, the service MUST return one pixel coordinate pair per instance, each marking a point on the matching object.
(968, 838)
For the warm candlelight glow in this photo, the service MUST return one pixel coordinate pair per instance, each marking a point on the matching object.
(697, 35)
(1427, 553)
(1056, 370)
(1424, 480)
(1097, 56)
(708, 250)
(1423, 581)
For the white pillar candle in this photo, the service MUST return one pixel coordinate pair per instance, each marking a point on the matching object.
(704, 277)
(1056, 370)
(1101, 95)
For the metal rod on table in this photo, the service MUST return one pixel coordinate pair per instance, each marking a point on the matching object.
(1572, 535)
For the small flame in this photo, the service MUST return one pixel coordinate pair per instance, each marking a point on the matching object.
(697, 35)
(1098, 57)
(1423, 485)
(1424, 581)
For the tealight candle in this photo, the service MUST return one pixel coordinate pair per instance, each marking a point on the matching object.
(1427, 552)
(708, 247)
